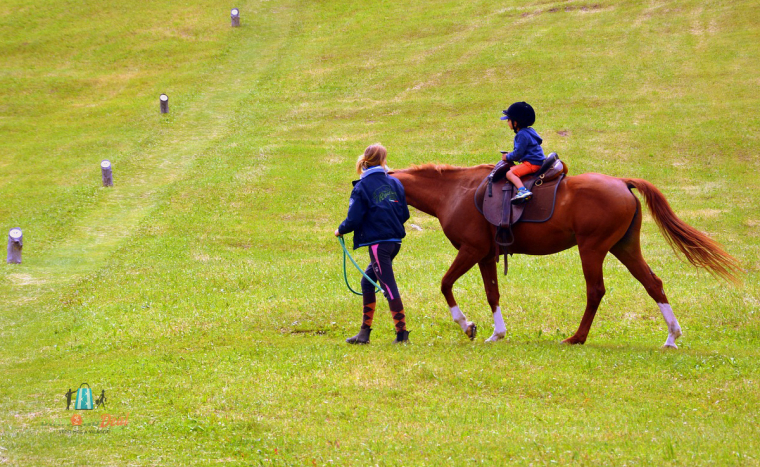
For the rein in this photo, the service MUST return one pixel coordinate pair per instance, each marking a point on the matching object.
(345, 274)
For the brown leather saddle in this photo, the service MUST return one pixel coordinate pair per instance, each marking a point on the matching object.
(495, 201)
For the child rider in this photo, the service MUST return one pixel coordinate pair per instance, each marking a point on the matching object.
(527, 154)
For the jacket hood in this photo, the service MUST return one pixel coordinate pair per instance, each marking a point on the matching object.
(533, 134)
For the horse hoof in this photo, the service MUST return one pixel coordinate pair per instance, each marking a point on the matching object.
(496, 337)
(669, 345)
(472, 330)
(572, 341)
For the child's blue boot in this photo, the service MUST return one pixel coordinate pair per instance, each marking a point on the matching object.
(522, 195)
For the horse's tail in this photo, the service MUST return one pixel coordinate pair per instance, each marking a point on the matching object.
(699, 249)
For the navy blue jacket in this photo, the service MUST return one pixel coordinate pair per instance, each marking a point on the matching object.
(377, 209)
(527, 147)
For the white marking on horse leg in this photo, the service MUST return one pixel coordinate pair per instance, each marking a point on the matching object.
(499, 329)
(459, 318)
(674, 329)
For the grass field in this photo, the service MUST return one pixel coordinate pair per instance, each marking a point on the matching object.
(204, 293)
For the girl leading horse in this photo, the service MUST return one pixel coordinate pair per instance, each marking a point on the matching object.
(598, 213)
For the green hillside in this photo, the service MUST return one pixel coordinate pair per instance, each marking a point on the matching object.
(204, 292)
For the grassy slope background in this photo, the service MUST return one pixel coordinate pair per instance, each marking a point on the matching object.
(203, 291)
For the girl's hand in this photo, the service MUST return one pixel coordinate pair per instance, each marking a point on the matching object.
(337, 233)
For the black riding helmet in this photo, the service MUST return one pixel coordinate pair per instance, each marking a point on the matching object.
(520, 112)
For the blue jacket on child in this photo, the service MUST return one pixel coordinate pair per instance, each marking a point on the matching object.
(377, 209)
(527, 147)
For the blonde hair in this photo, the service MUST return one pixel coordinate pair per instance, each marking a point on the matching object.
(373, 156)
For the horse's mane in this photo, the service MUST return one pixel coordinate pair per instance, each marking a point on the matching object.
(440, 168)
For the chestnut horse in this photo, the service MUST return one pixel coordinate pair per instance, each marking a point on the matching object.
(597, 212)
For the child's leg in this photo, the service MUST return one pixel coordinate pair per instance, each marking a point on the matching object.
(512, 177)
(382, 255)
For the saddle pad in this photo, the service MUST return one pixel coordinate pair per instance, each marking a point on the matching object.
(541, 206)
(538, 209)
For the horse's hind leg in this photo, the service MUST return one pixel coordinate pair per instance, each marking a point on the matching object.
(629, 253)
(592, 259)
(491, 283)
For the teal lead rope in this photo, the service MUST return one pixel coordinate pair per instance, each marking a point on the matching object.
(345, 274)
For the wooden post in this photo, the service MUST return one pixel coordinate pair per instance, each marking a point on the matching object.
(15, 243)
(105, 170)
(164, 103)
(235, 15)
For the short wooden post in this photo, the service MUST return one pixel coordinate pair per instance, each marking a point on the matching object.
(235, 15)
(164, 103)
(15, 243)
(105, 170)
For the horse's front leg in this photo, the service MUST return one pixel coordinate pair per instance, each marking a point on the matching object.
(465, 260)
(491, 283)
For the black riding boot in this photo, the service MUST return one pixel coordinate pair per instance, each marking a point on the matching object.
(361, 338)
(402, 337)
